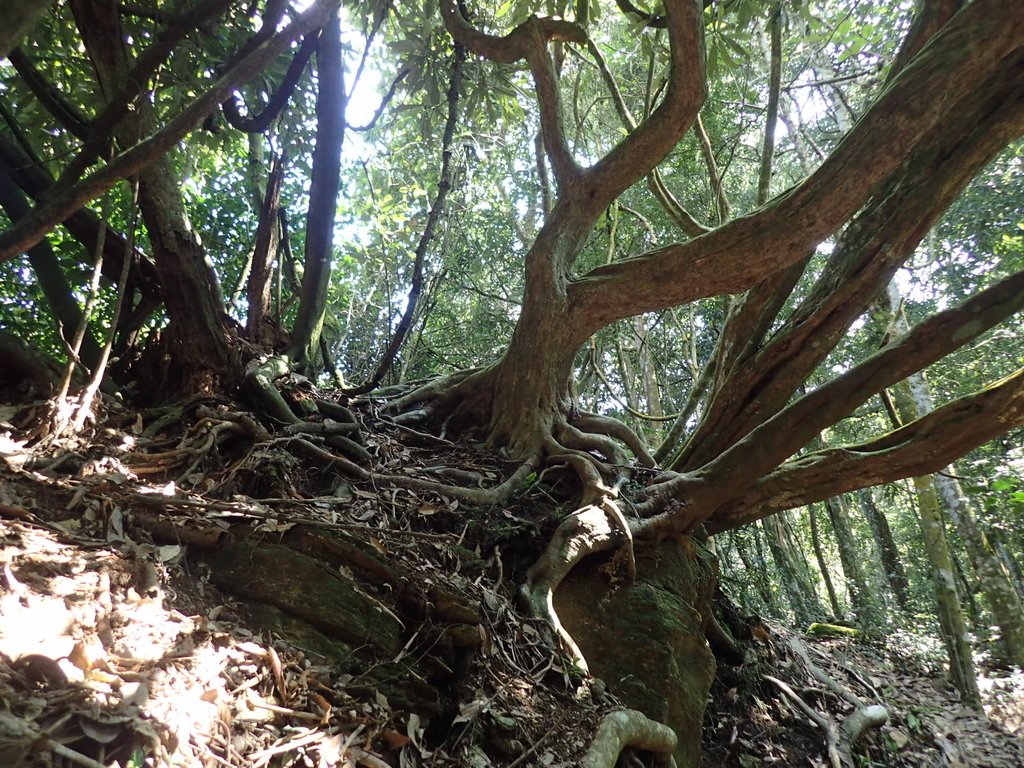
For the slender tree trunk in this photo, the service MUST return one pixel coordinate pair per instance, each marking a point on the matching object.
(802, 598)
(263, 250)
(895, 576)
(864, 604)
(192, 295)
(994, 580)
(819, 555)
(323, 197)
(1009, 561)
(951, 618)
(756, 575)
(913, 400)
(54, 284)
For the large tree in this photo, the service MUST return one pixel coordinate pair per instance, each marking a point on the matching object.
(952, 101)
(949, 100)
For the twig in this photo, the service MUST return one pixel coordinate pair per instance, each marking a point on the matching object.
(536, 745)
(73, 755)
(264, 755)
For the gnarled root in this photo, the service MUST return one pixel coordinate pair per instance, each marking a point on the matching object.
(584, 532)
(629, 728)
(839, 738)
(593, 447)
(339, 430)
(596, 526)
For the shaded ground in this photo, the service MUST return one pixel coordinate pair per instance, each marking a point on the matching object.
(119, 649)
(750, 724)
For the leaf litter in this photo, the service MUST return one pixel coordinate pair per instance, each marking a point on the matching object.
(117, 650)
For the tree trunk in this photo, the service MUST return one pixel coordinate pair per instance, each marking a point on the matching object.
(994, 580)
(192, 295)
(802, 598)
(323, 198)
(951, 618)
(913, 400)
(54, 284)
(895, 576)
(530, 385)
(819, 555)
(861, 598)
(757, 575)
(263, 251)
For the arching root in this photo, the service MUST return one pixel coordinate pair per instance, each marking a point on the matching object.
(598, 525)
(629, 728)
(340, 429)
(585, 532)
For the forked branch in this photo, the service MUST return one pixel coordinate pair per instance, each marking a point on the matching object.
(972, 48)
(528, 42)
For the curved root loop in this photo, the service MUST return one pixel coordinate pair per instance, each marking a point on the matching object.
(629, 728)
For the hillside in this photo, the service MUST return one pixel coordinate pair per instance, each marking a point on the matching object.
(164, 603)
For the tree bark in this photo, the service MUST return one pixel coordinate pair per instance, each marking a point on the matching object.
(58, 293)
(819, 555)
(19, 18)
(802, 598)
(263, 251)
(864, 603)
(913, 400)
(951, 619)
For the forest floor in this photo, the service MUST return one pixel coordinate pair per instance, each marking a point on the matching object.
(117, 649)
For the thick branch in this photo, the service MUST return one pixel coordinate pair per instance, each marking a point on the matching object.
(641, 151)
(514, 46)
(277, 101)
(929, 18)
(84, 225)
(770, 444)
(922, 447)
(135, 83)
(444, 185)
(331, 121)
(62, 111)
(528, 41)
(761, 381)
(968, 51)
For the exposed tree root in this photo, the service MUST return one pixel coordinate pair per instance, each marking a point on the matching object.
(840, 738)
(594, 447)
(824, 722)
(340, 429)
(584, 532)
(629, 728)
(482, 496)
(428, 395)
(595, 424)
